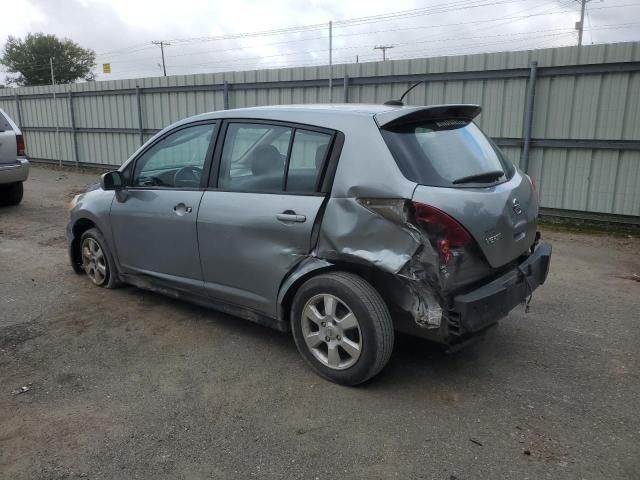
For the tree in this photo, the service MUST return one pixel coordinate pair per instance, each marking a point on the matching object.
(29, 58)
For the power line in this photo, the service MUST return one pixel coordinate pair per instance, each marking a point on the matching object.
(457, 5)
(284, 42)
(243, 61)
(499, 19)
(530, 35)
(362, 33)
(349, 23)
(543, 39)
(431, 40)
(451, 6)
(367, 33)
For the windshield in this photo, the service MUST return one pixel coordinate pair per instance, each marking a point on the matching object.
(444, 152)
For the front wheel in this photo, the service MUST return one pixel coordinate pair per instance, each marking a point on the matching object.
(97, 261)
(342, 327)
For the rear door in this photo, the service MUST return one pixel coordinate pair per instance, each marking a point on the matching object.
(255, 222)
(8, 147)
(154, 220)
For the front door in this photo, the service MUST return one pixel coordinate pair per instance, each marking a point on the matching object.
(256, 225)
(154, 219)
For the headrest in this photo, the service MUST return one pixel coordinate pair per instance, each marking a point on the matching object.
(265, 159)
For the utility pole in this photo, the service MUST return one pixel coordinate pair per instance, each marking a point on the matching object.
(580, 24)
(330, 61)
(53, 77)
(55, 108)
(162, 44)
(384, 49)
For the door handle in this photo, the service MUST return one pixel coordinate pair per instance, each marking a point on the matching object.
(181, 209)
(291, 216)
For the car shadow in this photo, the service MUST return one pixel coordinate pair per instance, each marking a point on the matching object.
(413, 359)
(189, 312)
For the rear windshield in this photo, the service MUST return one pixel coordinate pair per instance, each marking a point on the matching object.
(446, 153)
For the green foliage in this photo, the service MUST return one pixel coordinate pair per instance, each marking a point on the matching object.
(29, 58)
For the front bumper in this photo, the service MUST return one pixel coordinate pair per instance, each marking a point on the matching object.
(478, 309)
(14, 172)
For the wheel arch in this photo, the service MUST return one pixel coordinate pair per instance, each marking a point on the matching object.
(303, 271)
(81, 222)
(313, 266)
(79, 226)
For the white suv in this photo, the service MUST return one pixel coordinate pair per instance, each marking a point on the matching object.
(14, 166)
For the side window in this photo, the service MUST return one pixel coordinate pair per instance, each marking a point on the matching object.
(5, 126)
(254, 157)
(175, 161)
(307, 158)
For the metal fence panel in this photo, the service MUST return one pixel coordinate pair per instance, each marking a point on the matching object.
(585, 99)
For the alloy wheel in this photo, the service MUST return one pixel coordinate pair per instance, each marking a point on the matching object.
(93, 261)
(331, 331)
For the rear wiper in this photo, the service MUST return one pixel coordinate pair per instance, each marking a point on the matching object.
(485, 177)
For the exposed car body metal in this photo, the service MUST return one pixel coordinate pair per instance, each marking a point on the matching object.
(220, 252)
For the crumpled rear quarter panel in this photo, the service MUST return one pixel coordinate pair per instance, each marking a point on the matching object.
(350, 232)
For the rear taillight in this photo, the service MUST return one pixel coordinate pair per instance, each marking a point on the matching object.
(447, 233)
(20, 143)
(443, 231)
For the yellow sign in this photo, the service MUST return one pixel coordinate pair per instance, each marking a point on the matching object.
(106, 68)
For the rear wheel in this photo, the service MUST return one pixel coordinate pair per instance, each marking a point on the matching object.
(11, 194)
(342, 327)
(97, 261)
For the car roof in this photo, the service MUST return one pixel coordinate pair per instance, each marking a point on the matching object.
(333, 114)
(320, 108)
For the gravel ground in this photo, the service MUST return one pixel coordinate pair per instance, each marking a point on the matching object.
(129, 384)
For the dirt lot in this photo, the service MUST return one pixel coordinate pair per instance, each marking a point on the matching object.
(129, 384)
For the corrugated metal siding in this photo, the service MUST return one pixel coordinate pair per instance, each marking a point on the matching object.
(601, 106)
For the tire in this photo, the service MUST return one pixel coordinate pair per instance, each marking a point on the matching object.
(327, 340)
(11, 194)
(97, 261)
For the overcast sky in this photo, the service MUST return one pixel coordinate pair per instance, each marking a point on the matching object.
(121, 31)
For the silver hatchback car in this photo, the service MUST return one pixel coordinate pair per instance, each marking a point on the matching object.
(340, 223)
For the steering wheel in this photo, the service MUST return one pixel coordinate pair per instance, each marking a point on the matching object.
(188, 177)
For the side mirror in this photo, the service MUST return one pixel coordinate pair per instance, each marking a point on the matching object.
(112, 181)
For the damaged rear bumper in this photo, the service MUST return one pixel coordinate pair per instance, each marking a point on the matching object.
(475, 310)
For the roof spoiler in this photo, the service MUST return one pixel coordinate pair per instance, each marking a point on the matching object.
(402, 116)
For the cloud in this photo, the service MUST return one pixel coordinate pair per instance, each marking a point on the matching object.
(121, 31)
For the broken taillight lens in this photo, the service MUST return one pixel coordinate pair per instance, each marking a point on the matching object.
(20, 144)
(447, 233)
